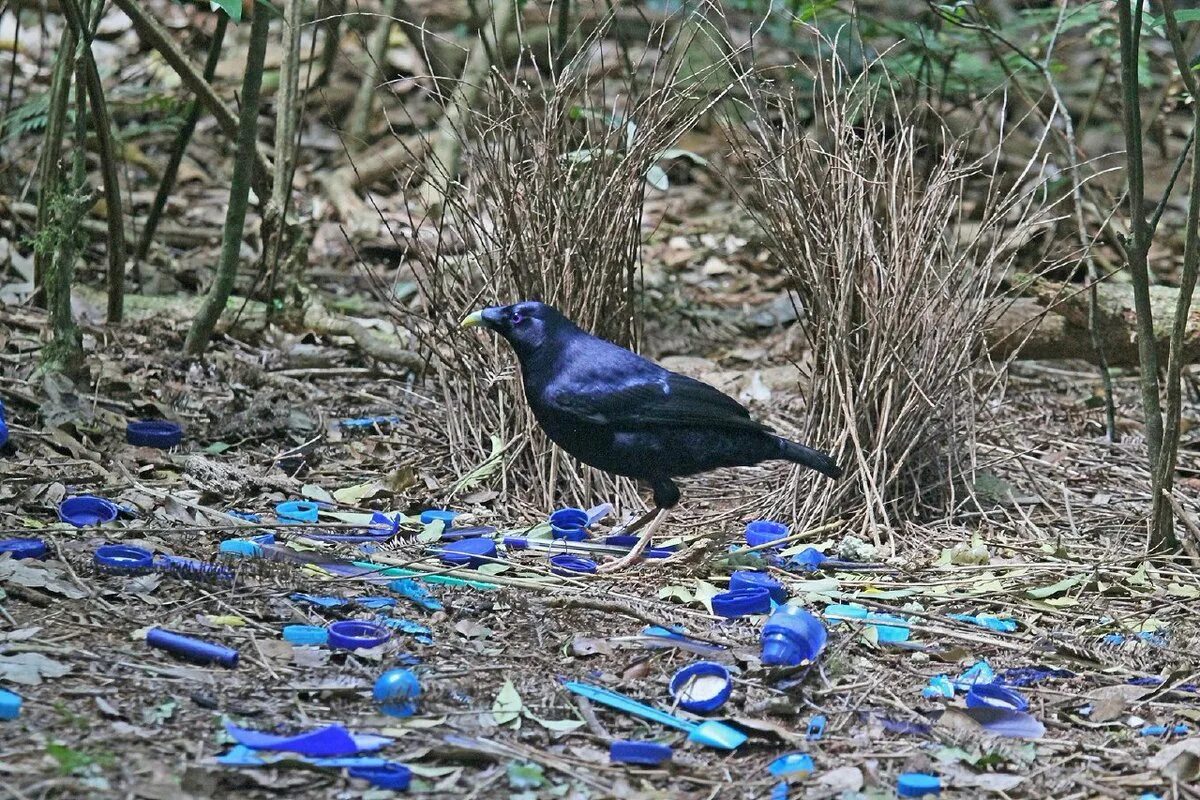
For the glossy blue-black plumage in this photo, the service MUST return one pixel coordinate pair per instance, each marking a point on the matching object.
(616, 411)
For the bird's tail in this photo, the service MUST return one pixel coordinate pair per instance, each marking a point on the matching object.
(813, 459)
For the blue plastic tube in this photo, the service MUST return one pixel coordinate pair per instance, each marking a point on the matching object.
(194, 650)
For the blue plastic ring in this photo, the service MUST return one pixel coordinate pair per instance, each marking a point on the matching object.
(123, 558)
(567, 564)
(993, 695)
(679, 686)
(356, 634)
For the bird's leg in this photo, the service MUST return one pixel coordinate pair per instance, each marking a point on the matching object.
(635, 554)
(638, 523)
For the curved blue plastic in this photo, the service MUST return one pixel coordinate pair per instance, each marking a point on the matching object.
(123, 558)
(357, 634)
(85, 510)
(765, 531)
(160, 433)
(751, 579)
(792, 636)
(685, 692)
(994, 695)
(468, 552)
(197, 651)
(567, 564)
(297, 511)
(742, 603)
(391, 775)
(635, 752)
(24, 548)
(396, 691)
(434, 514)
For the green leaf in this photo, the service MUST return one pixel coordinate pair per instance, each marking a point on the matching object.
(525, 775)
(233, 8)
(216, 448)
(557, 725)
(507, 706)
(676, 592)
(1055, 588)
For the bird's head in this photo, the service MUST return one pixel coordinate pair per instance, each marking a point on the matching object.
(526, 325)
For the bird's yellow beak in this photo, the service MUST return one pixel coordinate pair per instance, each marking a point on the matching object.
(475, 318)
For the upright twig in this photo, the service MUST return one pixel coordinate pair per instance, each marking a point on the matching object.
(239, 189)
(167, 184)
(49, 169)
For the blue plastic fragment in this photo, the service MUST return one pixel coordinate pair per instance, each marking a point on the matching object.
(160, 433)
(396, 692)
(637, 752)
(1112, 639)
(24, 548)
(247, 548)
(375, 603)
(917, 784)
(979, 672)
(1162, 730)
(392, 776)
(751, 579)
(86, 510)
(1151, 680)
(809, 559)
(939, 686)
(999, 624)
(468, 552)
(741, 603)
(369, 422)
(790, 763)
(292, 511)
(10, 705)
(422, 633)
(411, 590)
(321, 600)
(764, 531)
(1027, 676)
(701, 687)
(197, 651)
(248, 516)
(332, 740)
(182, 567)
(1149, 796)
(816, 728)
(1005, 722)
(995, 695)
(241, 756)
(779, 791)
(3, 426)
(889, 628)
(305, 635)
(434, 514)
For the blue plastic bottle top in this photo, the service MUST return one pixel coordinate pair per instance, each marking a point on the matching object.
(792, 636)
(917, 784)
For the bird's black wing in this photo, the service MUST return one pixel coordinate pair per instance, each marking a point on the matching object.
(661, 398)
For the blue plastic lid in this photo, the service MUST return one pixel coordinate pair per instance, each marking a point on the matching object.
(567, 564)
(23, 548)
(434, 514)
(635, 752)
(473, 552)
(917, 784)
(764, 531)
(396, 692)
(357, 634)
(10, 705)
(386, 776)
(159, 433)
(742, 602)
(995, 695)
(701, 687)
(305, 635)
(123, 558)
(750, 579)
(569, 518)
(297, 510)
(792, 636)
(84, 510)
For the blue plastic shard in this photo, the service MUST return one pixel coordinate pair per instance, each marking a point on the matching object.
(979, 672)
(779, 791)
(332, 740)
(241, 756)
(422, 633)
(939, 686)
(998, 624)
(322, 600)
(816, 728)
(375, 603)
(1162, 730)
(1004, 722)
(809, 559)
(1027, 676)
(411, 590)
(791, 763)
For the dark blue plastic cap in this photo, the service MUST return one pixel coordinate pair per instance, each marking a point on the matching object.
(764, 531)
(297, 511)
(123, 558)
(634, 752)
(195, 650)
(434, 514)
(396, 691)
(159, 433)
(472, 552)
(917, 784)
(749, 579)
(567, 564)
(357, 634)
(792, 636)
(742, 602)
(386, 776)
(85, 510)
(701, 687)
(24, 548)
(994, 695)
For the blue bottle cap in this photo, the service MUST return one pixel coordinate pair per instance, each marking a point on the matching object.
(10, 705)
(240, 547)
(386, 776)
(750, 579)
(297, 511)
(471, 552)
(567, 564)
(434, 514)
(994, 695)
(24, 548)
(305, 635)
(85, 510)
(569, 518)
(917, 784)
(396, 691)
(764, 531)
(516, 542)
(701, 687)
(123, 558)
(792, 636)
(635, 752)
(742, 602)
(357, 634)
(159, 433)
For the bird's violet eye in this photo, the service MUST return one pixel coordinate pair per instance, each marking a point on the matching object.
(517, 318)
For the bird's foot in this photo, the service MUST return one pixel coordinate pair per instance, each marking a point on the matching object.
(635, 553)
